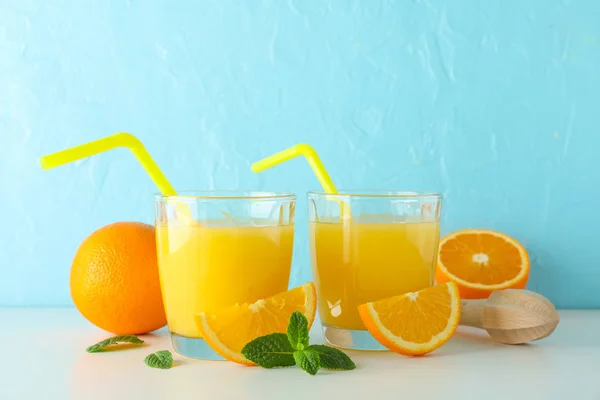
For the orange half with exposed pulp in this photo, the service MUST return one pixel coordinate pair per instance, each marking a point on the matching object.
(481, 261)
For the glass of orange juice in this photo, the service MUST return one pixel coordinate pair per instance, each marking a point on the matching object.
(366, 246)
(218, 248)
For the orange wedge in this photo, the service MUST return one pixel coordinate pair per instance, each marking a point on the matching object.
(481, 261)
(414, 324)
(227, 331)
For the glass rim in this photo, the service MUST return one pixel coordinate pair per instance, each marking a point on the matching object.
(375, 193)
(226, 195)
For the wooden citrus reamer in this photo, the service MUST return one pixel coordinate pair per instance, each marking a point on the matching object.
(511, 316)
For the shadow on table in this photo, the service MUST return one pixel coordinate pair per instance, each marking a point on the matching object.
(467, 341)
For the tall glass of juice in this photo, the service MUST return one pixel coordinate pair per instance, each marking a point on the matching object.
(218, 248)
(367, 246)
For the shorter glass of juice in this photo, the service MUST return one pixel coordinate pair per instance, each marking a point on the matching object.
(218, 248)
(367, 246)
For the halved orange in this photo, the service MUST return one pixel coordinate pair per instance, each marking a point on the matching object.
(481, 261)
(229, 330)
(414, 324)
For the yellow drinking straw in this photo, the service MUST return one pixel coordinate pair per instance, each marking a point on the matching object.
(121, 139)
(311, 156)
(315, 163)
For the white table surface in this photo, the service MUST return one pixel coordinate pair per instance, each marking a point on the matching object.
(43, 357)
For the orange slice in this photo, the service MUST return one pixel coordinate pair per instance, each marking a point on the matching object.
(227, 331)
(414, 324)
(481, 261)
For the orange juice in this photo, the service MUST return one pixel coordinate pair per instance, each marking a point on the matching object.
(362, 260)
(208, 267)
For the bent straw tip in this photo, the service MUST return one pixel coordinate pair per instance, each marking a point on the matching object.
(256, 168)
(126, 139)
(44, 163)
(305, 149)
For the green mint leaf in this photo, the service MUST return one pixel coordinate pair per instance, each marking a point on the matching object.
(270, 351)
(331, 358)
(161, 359)
(112, 341)
(308, 360)
(297, 331)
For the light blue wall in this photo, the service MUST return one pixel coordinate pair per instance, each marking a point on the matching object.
(493, 103)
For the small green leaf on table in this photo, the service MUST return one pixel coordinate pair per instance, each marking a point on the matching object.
(115, 340)
(161, 359)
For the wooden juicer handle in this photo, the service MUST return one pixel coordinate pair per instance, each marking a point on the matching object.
(511, 316)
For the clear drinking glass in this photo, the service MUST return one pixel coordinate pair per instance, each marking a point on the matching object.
(366, 246)
(218, 248)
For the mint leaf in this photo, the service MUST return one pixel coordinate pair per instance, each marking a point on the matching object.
(270, 351)
(331, 358)
(112, 341)
(308, 360)
(161, 359)
(297, 331)
(286, 350)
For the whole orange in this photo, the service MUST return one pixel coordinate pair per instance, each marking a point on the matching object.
(114, 279)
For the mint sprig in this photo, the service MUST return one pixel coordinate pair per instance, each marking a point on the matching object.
(161, 359)
(100, 346)
(286, 350)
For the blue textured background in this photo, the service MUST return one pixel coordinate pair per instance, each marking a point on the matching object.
(493, 103)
